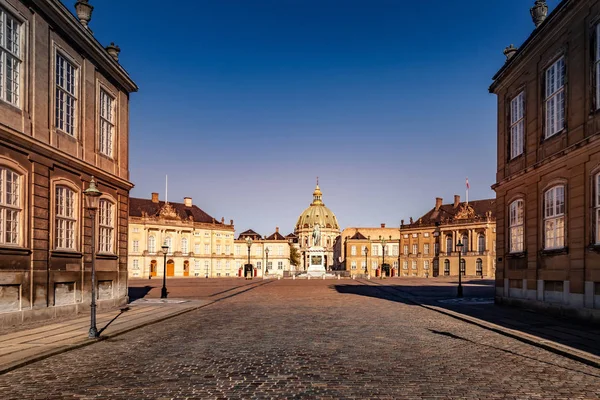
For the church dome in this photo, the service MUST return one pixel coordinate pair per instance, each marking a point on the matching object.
(317, 213)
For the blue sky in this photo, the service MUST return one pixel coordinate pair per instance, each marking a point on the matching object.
(243, 103)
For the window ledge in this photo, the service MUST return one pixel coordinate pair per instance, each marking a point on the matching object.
(521, 254)
(594, 247)
(14, 251)
(555, 252)
(66, 254)
(107, 256)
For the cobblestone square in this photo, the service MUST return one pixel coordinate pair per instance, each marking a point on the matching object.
(336, 339)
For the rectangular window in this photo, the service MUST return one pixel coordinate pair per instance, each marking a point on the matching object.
(227, 266)
(136, 246)
(184, 245)
(375, 250)
(415, 248)
(10, 206)
(207, 249)
(237, 250)
(196, 265)
(227, 249)
(279, 264)
(196, 248)
(414, 264)
(280, 250)
(517, 125)
(353, 250)
(395, 250)
(107, 123)
(426, 249)
(136, 264)
(66, 99)
(10, 59)
(426, 264)
(396, 264)
(106, 226)
(373, 264)
(218, 265)
(555, 98)
(353, 265)
(516, 226)
(218, 249)
(554, 218)
(404, 264)
(65, 218)
(258, 251)
(405, 249)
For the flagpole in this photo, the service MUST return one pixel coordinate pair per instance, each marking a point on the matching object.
(467, 191)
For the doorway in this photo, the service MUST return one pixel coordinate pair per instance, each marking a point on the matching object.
(153, 268)
(186, 268)
(170, 268)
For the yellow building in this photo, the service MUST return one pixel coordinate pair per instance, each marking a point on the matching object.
(364, 250)
(198, 244)
(269, 256)
(324, 220)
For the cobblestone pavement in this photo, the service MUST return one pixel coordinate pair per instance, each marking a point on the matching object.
(306, 339)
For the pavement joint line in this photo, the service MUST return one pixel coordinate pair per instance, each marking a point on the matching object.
(88, 342)
(556, 348)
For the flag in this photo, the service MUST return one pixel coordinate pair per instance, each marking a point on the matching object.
(468, 187)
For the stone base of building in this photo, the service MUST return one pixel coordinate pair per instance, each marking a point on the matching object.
(557, 309)
(16, 318)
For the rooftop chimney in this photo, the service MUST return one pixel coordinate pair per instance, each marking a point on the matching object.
(223, 220)
(383, 225)
(84, 12)
(539, 12)
(277, 229)
(438, 203)
(154, 197)
(187, 201)
(113, 50)
(231, 222)
(456, 200)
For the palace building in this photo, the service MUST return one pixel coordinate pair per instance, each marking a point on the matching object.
(548, 165)
(64, 113)
(269, 255)
(198, 245)
(427, 247)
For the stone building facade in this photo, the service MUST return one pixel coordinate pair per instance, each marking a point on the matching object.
(269, 255)
(548, 166)
(427, 247)
(199, 245)
(64, 113)
(317, 214)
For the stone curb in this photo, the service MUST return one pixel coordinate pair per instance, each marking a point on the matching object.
(87, 342)
(556, 348)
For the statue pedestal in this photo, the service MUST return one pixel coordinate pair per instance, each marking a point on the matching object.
(316, 262)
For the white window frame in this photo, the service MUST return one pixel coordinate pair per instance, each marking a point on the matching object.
(426, 249)
(516, 226)
(107, 123)
(517, 125)
(405, 264)
(237, 250)
(375, 250)
(554, 217)
(405, 250)
(554, 99)
(218, 249)
(395, 250)
(415, 248)
(106, 226)
(65, 218)
(353, 265)
(353, 250)
(196, 248)
(414, 265)
(66, 94)
(169, 243)
(481, 243)
(426, 264)
(151, 244)
(280, 250)
(207, 249)
(11, 60)
(280, 265)
(184, 245)
(11, 209)
(136, 246)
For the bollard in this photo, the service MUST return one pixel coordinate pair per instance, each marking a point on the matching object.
(278, 277)
(309, 277)
(338, 277)
(294, 277)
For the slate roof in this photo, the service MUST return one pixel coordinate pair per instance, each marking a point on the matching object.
(249, 233)
(139, 206)
(358, 236)
(276, 236)
(447, 212)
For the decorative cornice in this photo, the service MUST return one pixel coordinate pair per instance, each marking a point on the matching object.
(75, 31)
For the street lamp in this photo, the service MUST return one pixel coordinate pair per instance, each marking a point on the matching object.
(459, 246)
(366, 253)
(92, 198)
(267, 264)
(165, 249)
(436, 250)
(383, 243)
(249, 243)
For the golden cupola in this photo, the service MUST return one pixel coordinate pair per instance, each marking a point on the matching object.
(317, 213)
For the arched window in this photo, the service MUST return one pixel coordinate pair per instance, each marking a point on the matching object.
(465, 243)
(66, 218)
(463, 267)
(446, 267)
(554, 218)
(10, 206)
(151, 244)
(107, 228)
(516, 226)
(184, 245)
(449, 244)
(481, 243)
(479, 267)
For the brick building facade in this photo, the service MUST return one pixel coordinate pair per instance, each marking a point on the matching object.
(548, 170)
(64, 117)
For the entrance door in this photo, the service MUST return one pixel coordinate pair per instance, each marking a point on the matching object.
(170, 268)
(153, 268)
(186, 268)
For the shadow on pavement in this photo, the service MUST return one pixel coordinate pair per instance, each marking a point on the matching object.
(476, 304)
(136, 293)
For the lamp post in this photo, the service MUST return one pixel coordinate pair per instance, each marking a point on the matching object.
(459, 246)
(249, 244)
(92, 198)
(383, 242)
(436, 250)
(267, 264)
(163, 293)
(366, 267)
